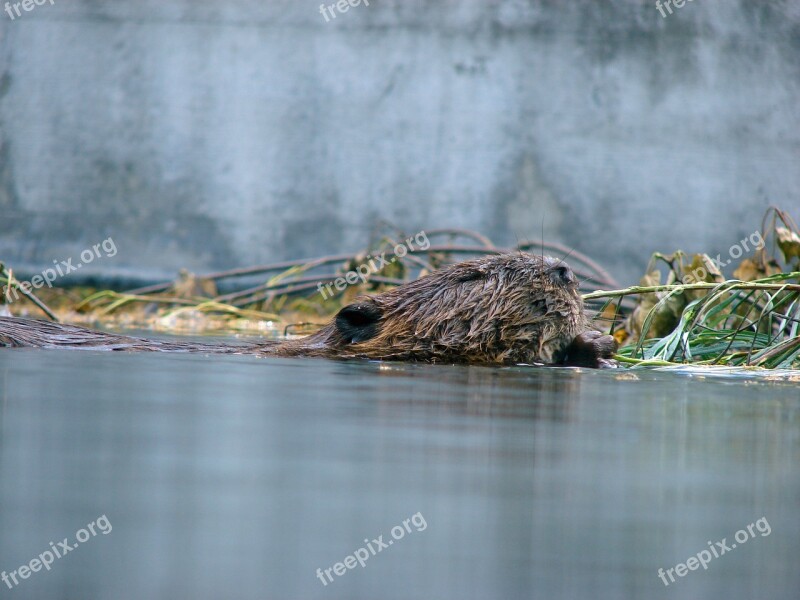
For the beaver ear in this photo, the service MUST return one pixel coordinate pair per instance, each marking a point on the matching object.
(358, 322)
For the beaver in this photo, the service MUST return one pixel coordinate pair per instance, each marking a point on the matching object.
(503, 309)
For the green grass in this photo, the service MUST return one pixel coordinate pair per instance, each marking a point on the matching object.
(736, 323)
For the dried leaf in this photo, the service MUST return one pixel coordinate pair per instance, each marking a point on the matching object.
(702, 269)
(190, 285)
(750, 270)
(788, 242)
(666, 316)
(621, 336)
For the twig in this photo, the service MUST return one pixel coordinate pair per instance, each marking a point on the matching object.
(12, 281)
(735, 285)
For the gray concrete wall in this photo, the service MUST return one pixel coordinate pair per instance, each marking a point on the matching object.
(208, 134)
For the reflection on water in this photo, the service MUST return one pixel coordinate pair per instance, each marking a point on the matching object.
(234, 477)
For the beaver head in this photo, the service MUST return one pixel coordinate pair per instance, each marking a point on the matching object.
(502, 309)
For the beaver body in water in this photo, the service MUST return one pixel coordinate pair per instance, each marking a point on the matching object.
(502, 309)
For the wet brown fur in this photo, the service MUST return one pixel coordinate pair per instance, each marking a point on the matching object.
(503, 309)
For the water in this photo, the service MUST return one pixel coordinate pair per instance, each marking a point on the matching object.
(235, 477)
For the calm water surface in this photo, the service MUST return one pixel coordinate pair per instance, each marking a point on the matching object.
(235, 477)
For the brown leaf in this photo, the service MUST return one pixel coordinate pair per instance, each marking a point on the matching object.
(750, 270)
(666, 316)
(701, 270)
(788, 242)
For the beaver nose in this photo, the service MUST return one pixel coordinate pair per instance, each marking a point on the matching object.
(562, 275)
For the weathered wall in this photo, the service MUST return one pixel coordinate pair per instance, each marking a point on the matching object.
(208, 134)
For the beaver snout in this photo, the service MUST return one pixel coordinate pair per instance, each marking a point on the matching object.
(562, 275)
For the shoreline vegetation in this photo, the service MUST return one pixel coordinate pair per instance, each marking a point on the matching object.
(682, 312)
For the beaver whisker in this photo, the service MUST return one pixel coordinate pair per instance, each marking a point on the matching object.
(566, 256)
